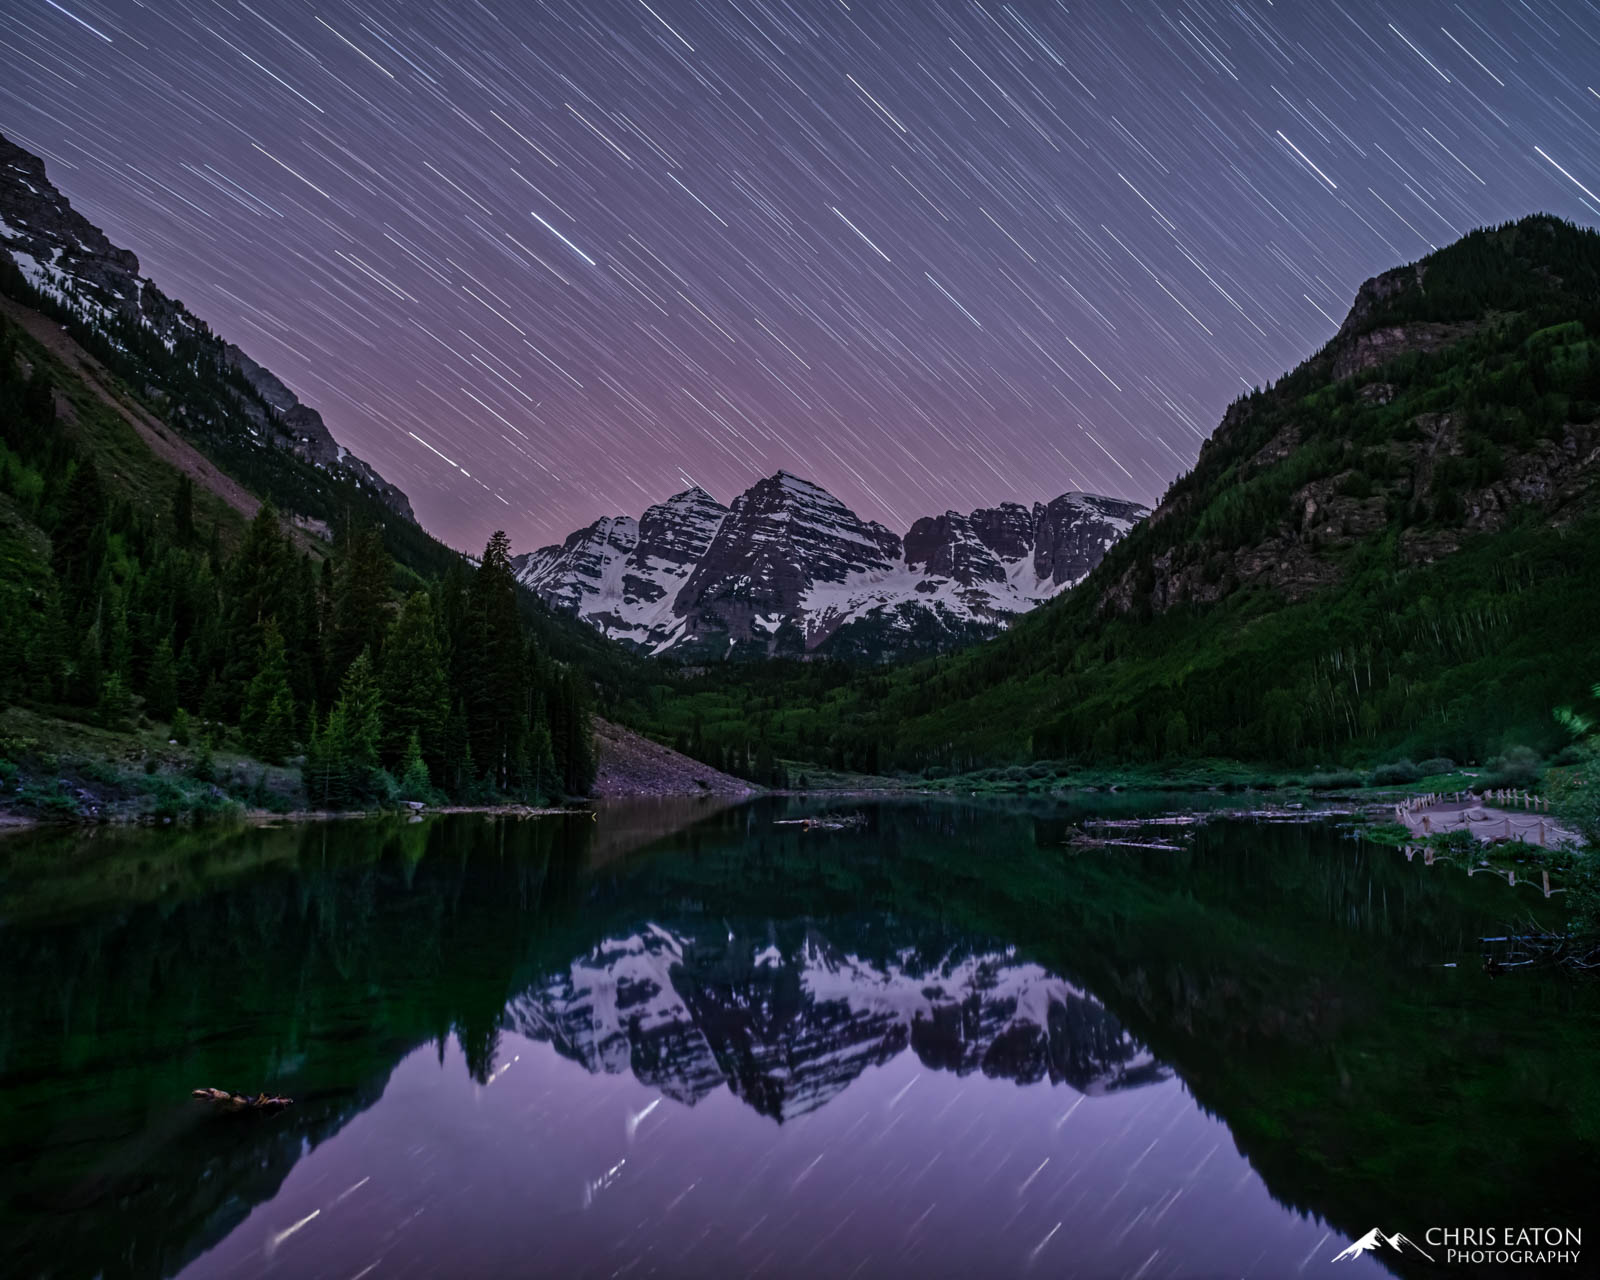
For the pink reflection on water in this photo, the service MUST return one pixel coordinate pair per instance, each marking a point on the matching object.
(549, 1170)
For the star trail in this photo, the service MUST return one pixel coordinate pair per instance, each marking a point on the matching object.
(542, 262)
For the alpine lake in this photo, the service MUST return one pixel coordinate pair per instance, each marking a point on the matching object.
(683, 1039)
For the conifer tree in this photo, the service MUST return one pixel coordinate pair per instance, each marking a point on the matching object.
(543, 780)
(78, 541)
(360, 599)
(342, 757)
(359, 702)
(494, 679)
(302, 639)
(455, 752)
(161, 684)
(414, 781)
(258, 583)
(267, 719)
(87, 670)
(115, 705)
(413, 683)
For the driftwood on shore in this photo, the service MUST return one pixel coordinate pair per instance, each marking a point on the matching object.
(1543, 951)
(230, 1102)
(1083, 840)
(826, 822)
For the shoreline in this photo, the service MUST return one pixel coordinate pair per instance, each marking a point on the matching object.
(10, 820)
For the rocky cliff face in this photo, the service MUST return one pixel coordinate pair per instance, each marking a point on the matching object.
(787, 1023)
(72, 263)
(788, 569)
(1377, 449)
(784, 543)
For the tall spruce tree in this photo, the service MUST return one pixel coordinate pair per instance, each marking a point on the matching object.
(267, 720)
(413, 683)
(342, 766)
(360, 599)
(494, 677)
(78, 540)
(258, 588)
(161, 684)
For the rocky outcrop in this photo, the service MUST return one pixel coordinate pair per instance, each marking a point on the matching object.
(1380, 346)
(632, 765)
(1559, 478)
(783, 539)
(1429, 469)
(1072, 534)
(73, 265)
(788, 569)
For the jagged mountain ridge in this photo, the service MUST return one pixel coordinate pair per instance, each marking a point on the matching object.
(73, 265)
(787, 1027)
(787, 569)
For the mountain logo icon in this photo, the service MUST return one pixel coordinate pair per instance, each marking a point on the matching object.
(1374, 1241)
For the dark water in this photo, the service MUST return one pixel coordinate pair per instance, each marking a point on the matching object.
(681, 1041)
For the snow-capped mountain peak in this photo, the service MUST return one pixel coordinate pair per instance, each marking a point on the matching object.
(787, 568)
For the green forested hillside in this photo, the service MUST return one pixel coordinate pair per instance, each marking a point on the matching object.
(1395, 548)
(132, 595)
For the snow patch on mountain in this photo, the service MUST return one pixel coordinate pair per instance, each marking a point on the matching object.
(788, 569)
(71, 263)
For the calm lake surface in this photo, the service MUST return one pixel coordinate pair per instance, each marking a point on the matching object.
(681, 1040)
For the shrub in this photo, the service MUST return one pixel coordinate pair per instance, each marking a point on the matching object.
(1432, 768)
(1575, 792)
(167, 799)
(1519, 767)
(101, 771)
(213, 803)
(1583, 898)
(203, 768)
(1395, 774)
(1456, 844)
(116, 703)
(1335, 780)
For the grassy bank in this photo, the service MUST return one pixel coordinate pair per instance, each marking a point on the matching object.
(55, 769)
(1046, 777)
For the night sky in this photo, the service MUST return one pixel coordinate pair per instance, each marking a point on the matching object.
(541, 262)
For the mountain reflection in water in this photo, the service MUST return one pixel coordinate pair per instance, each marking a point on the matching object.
(787, 1027)
(682, 1040)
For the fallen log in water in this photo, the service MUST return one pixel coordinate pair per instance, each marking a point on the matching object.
(1085, 841)
(1124, 824)
(832, 822)
(1543, 950)
(229, 1102)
